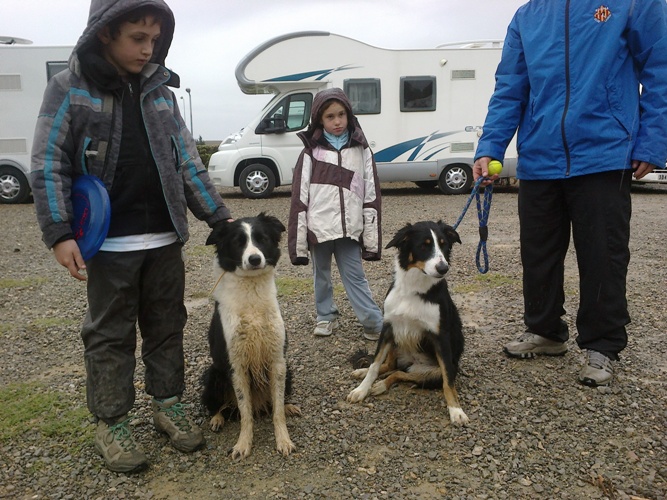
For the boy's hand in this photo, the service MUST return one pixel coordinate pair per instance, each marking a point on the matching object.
(68, 255)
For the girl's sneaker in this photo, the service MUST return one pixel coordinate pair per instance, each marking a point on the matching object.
(325, 328)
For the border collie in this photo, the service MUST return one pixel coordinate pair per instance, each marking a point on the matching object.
(249, 375)
(422, 336)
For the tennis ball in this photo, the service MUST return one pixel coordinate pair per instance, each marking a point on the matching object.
(494, 167)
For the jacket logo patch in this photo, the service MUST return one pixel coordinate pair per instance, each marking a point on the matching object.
(602, 14)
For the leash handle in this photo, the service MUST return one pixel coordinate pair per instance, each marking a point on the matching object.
(483, 209)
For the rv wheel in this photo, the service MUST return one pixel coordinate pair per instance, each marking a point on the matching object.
(257, 181)
(456, 179)
(14, 187)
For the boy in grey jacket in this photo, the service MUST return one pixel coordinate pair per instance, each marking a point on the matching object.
(113, 116)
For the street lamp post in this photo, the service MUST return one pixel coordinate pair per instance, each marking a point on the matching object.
(190, 100)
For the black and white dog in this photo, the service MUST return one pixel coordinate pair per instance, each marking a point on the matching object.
(422, 335)
(247, 339)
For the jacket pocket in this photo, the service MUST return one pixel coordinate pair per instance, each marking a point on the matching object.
(616, 105)
(175, 152)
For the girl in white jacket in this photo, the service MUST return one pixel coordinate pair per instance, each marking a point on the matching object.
(335, 211)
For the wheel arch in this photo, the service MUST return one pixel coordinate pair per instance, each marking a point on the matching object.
(267, 162)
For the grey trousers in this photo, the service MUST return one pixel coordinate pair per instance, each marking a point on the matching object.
(125, 288)
(348, 259)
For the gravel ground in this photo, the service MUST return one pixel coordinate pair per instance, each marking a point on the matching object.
(534, 432)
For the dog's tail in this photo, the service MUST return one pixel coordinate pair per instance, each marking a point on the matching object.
(361, 359)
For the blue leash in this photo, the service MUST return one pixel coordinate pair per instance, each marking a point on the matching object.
(483, 210)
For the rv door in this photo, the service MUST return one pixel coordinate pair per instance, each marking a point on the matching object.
(277, 132)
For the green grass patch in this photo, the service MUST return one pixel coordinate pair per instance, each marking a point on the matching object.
(46, 323)
(33, 407)
(199, 250)
(485, 281)
(293, 286)
(14, 283)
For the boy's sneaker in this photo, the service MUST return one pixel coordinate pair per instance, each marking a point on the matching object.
(325, 328)
(118, 448)
(529, 345)
(169, 417)
(372, 334)
(598, 370)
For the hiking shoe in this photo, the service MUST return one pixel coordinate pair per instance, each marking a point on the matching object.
(169, 417)
(598, 370)
(325, 328)
(118, 448)
(372, 334)
(529, 345)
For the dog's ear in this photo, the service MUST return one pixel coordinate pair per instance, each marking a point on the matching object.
(217, 231)
(400, 236)
(272, 222)
(450, 233)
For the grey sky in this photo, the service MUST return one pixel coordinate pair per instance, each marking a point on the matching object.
(212, 36)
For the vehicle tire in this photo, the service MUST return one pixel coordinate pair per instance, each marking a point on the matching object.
(427, 184)
(257, 181)
(456, 179)
(14, 187)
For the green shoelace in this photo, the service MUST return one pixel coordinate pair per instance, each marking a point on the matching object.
(176, 413)
(122, 434)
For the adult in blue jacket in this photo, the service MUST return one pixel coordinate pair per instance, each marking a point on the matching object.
(585, 84)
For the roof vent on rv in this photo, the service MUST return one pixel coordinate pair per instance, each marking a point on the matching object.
(473, 44)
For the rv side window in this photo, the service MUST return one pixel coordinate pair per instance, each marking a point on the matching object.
(290, 114)
(54, 67)
(364, 94)
(418, 93)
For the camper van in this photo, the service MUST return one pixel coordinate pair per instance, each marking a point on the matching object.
(24, 71)
(421, 110)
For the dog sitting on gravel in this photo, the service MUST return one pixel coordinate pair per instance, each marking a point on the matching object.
(249, 375)
(422, 336)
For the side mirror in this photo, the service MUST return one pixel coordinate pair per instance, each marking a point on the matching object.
(272, 126)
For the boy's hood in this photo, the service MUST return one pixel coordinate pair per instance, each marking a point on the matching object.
(102, 12)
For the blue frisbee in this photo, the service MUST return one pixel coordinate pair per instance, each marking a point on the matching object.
(91, 214)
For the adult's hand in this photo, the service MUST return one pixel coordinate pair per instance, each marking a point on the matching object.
(481, 169)
(68, 255)
(641, 168)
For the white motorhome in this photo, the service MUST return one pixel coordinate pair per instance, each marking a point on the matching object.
(421, 109)
(24, 71)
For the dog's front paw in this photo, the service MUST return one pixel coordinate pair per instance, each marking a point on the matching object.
(240, 451)
(285, 446)
(379, 387)
(360, 373)
(217, 421)
(292, 410)
(457, 416)
(357, 395)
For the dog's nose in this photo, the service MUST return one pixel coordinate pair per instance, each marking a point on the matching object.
(442, 268)
(255, 260)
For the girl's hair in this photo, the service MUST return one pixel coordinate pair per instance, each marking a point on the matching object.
(134, 16)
